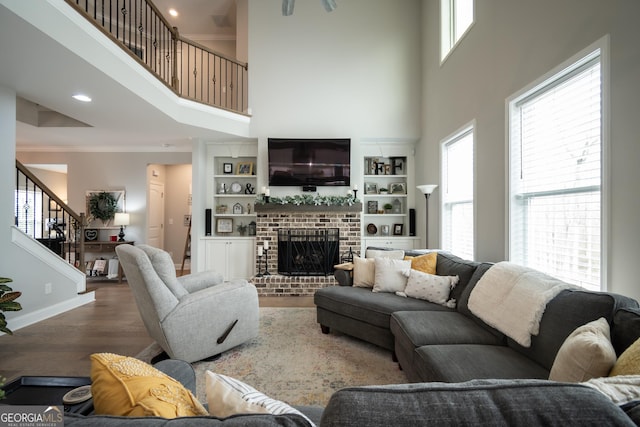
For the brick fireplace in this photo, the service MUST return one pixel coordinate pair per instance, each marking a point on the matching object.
(272, 217)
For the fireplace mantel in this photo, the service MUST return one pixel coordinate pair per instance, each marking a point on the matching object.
(291, 208)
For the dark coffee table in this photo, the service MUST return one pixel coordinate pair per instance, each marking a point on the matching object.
(37, 390)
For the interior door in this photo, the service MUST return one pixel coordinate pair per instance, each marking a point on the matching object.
(155, 215)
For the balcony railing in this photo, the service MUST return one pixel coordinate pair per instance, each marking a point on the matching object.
(42, 215)
(191, 70)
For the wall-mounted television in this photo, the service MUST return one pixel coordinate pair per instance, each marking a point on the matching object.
(300, 162)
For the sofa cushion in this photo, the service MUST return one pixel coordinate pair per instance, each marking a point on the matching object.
(464, 362)
(439, 327)
(425, 263)
(566, 312)
(430, 287)
(391, 274)
(126, 386)
(481, 402)
(629, 361)
(451, 265)
(228, 396)
(625, 329)
(366, 306)
(586, 353)
(364, 272)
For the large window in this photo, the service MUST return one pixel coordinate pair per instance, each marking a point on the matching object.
(556, 175)
(457, 194)
(456, 17)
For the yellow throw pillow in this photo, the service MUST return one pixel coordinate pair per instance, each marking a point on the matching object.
(425, 263)
(127, 386)
(629, 361)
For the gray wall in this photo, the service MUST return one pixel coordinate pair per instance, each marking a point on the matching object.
(512, 44)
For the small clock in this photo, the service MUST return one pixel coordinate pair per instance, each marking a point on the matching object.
(236, 187)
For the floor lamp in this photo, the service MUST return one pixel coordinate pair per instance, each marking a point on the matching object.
(427, 189)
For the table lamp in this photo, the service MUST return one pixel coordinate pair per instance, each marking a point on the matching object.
(121, 219)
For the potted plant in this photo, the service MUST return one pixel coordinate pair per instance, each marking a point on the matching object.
(103, 206)
(7, 303)
(388, 207)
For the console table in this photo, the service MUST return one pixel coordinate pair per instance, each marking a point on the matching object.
(103, 247)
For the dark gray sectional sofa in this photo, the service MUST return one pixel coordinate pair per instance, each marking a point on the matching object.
(436, 343)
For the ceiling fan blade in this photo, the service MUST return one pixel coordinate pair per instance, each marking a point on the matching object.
(329, 5)
(287, 7)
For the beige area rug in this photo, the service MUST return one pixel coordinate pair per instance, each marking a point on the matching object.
(291, 360)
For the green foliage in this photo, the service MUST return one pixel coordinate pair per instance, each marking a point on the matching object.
(310, 199)
(103, 206)
(7, 303)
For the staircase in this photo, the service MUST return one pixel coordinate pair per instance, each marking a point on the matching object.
(43, 216)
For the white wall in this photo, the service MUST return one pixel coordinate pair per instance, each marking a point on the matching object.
(512, 44)
(109, 171)
(354, 72)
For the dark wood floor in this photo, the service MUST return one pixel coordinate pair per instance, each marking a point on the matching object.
(61, 345)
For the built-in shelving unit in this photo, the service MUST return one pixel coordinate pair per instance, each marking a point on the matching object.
(231, 193)
(387, 194)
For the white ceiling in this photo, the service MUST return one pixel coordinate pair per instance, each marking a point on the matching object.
(46, 72)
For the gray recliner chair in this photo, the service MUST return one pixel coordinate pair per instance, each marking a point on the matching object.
(192, 317)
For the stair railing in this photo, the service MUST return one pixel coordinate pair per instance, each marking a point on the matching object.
(189, 69)
(42, 215)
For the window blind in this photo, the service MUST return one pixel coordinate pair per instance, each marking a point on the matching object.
(555, 180)
(457, 218)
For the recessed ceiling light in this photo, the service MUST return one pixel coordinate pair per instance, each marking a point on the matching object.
(81, 97)
(173, 12)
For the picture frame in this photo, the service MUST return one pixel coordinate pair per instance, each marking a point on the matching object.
(398, 229)
(227, 168)
(370, 188)
(397, 188)
(224, 225)
(90, 234)
(238, 209)
(372, 207)
(384, 230)
(118, 195)
(244, 168)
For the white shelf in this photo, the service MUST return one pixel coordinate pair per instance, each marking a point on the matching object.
(384, 176)
(228, 215)
(235, 196)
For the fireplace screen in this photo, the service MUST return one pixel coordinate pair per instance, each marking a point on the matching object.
(308, 251)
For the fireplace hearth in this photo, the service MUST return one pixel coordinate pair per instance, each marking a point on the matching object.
(308, 251)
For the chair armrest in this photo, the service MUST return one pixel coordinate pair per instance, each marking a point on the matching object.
(343, 277)
(198, 281)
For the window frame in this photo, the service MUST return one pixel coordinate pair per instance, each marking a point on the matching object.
(458, 135)
(600, 49)
(448, 41)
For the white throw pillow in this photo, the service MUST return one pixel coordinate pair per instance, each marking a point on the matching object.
(364, 272)
(227, 396)
(430, 287)
(375, 253)
(586, 353)
(391, 274)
